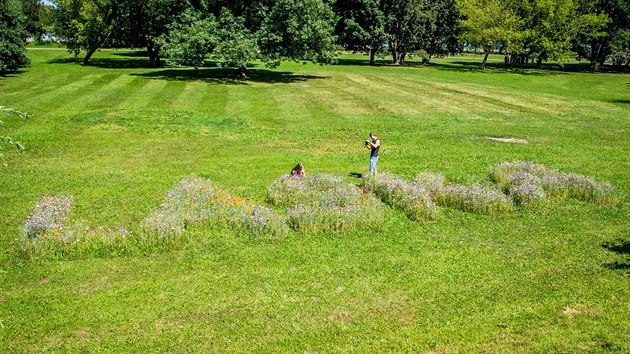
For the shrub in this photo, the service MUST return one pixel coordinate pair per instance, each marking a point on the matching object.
(412, 198)
(472, 199)
(324, 202)
(200, 201)
(47, 233)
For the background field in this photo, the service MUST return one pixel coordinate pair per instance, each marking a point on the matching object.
(117, 135)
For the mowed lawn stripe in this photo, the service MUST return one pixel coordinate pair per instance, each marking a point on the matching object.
(62, 97)
(389, 96)
(486, 95)
(449, 101)
(107, 97)
(147, 94)
(426, 99)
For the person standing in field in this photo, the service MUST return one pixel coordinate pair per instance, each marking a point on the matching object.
(374, 145)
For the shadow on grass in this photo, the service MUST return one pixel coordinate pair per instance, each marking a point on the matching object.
(620, 101)
(622, 248)
(108, 63)
(355, 175)
(132, 53)
(491, 67)
(209, 73)
(227, 76)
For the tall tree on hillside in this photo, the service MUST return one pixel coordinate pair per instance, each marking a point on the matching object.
(12, 37)
(361, 26)
(488, 23)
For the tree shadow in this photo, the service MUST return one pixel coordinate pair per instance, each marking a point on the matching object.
(132, 53)
(15, 73)
(622, 248)
(620, 101)
(491, 67)
(227, 76)
(500, 68)
(107, 63)
(362, 62)
(210, 72)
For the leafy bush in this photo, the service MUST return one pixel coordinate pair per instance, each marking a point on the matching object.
(47, 233)
(412, 198)
(324, 202)
(200, 201)
(472, 199)
(527, 181)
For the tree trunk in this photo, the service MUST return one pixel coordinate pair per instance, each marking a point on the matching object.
(402, 57)
(242, 72)
(89, 54)
(154, 55)
(594, 56)
(372, 54)
(482, 66)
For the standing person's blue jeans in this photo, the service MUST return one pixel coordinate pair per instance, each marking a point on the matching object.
(373, 161)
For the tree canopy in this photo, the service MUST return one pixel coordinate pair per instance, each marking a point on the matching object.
(13, 33)
(235, 33)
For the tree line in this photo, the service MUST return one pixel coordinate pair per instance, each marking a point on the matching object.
(235, 32)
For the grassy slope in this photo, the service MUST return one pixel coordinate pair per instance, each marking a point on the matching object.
(116, 136)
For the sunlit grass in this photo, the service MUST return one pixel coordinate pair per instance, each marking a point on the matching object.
(116, 135)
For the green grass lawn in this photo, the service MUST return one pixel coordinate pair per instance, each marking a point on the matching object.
(116, 135)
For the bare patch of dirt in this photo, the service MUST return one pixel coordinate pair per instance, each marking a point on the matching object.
(509, 140)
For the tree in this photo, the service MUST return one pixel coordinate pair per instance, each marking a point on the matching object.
(620, 48)
(236, 35)
(441, 29)
(143, 22)
(488, 23)
(90, 24)
(405, 25)
(361, 26)
(12, 37)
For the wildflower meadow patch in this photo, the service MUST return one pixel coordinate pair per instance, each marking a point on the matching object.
(48, 233)
(528, 182)
(473, 199)
(324, 202)
(410, 197)
(199, 201)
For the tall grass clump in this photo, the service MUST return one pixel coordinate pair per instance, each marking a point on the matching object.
(324, 202)
(473, 199)
(410, 197)
(527, 181)
(48, 233)
(198, 201)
